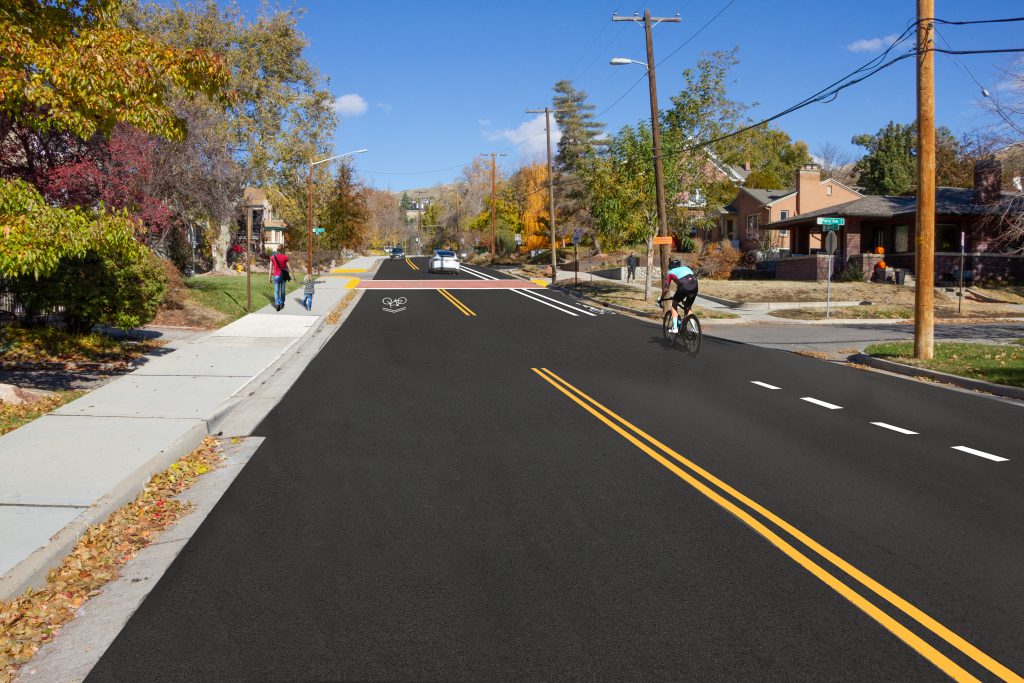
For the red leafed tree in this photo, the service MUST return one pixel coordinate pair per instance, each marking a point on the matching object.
(117, 174)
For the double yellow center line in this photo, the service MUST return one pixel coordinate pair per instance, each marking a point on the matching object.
(411, 264)
(463, 308)
(756, 516)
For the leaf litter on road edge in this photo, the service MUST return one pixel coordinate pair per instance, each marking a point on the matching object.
(28, 621)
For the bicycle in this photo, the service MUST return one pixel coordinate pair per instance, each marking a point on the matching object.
(689, 329)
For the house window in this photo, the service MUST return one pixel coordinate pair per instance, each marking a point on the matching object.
(752, 227)
(880, 237)
(783, 215)
(783, 233)
(900, 238)
(730, 229)
(828, 190)
(947, 237)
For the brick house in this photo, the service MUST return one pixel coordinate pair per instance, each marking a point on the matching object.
(889, 222)
(741, 221)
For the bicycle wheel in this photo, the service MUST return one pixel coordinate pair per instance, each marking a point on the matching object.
(691, 334)
(666, 328)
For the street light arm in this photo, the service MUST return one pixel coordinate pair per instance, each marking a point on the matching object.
(337, 156)
(622, 61)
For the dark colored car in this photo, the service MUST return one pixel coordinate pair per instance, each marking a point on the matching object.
(397, 252)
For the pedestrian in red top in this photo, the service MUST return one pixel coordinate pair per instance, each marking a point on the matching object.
(279, 275)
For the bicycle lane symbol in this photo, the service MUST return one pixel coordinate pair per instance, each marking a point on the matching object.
(396, 305)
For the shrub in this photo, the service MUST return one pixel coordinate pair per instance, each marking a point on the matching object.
(717, 260)
(851, 273)
(92, 266)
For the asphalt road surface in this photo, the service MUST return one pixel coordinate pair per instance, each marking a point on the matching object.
(491, 485)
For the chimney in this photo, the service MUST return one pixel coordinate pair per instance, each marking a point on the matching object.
(746, 165)
(808, 185)
(988, 178)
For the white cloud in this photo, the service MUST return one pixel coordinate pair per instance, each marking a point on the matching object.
(350, 105)
(530, 134)
(871, 44)
(384, 106)
(484, 122)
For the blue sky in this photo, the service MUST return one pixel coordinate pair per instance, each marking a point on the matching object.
(427, 86)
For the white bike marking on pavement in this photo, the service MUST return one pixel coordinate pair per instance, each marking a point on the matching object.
(823, 404)
(980, 454)
(894, 428)
(554, 303)
(763, 384)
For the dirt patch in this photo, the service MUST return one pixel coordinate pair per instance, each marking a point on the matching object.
(787, 290)
(190, 314)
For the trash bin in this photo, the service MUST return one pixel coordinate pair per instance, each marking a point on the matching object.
(900, 275)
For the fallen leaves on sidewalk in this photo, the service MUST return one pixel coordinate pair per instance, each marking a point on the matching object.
(34, 618)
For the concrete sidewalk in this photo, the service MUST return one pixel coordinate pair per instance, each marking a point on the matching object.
(73, 467)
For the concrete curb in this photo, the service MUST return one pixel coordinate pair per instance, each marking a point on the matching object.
(955, 380)
(32, 571)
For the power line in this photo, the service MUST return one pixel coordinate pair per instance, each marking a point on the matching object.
(697, 33)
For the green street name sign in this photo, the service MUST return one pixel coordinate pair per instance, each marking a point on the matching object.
(830, 224)
(318, 231)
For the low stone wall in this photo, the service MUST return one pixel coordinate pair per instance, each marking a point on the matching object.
(982, 266)
(814, 267)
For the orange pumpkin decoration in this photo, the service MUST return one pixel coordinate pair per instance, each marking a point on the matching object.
(879, 250)
(881, 264)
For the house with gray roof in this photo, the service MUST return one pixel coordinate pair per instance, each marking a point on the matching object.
(741, 220)
(885, 223)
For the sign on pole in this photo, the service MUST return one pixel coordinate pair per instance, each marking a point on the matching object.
(663, 239)
(318, 231)
(828, 224)
(831, 242)
(576, 235)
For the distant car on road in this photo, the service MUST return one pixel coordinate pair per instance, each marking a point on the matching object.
(397, 252)
(444, 261)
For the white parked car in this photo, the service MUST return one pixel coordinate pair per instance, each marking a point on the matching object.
(443, 261)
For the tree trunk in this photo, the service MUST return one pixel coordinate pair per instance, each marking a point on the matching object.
(219, 248)
(650, 263)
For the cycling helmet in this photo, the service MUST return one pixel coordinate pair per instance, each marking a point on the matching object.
(674, 263)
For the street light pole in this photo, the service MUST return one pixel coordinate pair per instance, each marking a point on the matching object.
(309, 214)
(659, 180)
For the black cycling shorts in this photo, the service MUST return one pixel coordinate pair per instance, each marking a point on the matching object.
(686, 292)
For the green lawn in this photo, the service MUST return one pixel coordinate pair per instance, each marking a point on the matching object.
(226, 293)
(1002, 364)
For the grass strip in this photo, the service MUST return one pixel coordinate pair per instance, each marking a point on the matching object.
(29, 621)
(997, 363)
(12, 417)
(847, 312)
(52, 344)
(227, 294)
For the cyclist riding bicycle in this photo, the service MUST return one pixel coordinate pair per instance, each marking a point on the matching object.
(686, 290)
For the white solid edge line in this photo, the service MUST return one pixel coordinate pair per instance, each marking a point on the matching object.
(535, 296)
(560, 310)
(980, 454)
(764, 384)
(531, 293)
(823, 404)
(885, 425)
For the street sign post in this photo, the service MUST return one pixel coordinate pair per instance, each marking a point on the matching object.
(829, 224)
(963, 253)
(577, 234)
(831, 242)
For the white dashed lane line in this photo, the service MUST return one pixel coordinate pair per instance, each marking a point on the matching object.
(823, 404)
(894, 428)
(980, 454)
(886, 425)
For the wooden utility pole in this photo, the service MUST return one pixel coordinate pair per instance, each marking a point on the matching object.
(248, 260)
(494, 202)
(551, 189)
(659, 178)
(924, 253)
